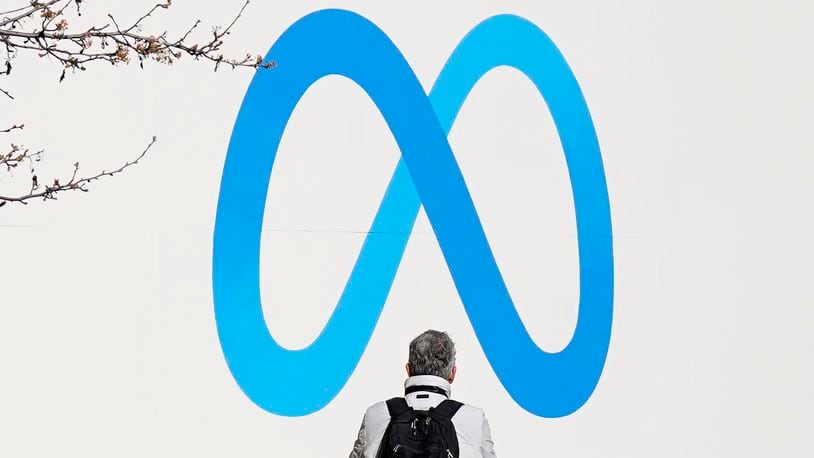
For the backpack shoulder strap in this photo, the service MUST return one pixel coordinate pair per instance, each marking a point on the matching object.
(447, 408)
(443, 413)
(397, 406)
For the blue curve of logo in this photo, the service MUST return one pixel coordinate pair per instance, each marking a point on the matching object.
(337, 42)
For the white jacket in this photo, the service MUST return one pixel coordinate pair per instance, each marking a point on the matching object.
(471, 427)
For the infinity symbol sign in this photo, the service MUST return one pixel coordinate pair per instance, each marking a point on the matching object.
(336, 42)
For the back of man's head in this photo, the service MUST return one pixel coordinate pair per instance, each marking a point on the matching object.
(432, 353)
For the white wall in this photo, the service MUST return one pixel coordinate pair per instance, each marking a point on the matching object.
(108, 343)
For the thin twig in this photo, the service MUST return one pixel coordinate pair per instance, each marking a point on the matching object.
(14, 127)
(49, 192)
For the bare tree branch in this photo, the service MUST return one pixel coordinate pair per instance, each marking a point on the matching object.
(75, 183)
(113, 43)
(43, 27)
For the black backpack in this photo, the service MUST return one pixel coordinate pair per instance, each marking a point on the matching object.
(418, 433)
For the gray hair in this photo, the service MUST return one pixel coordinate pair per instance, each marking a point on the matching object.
(432, 353)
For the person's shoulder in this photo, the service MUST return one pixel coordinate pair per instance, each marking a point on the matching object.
(470, 407)
(470, 424)
(377, 412)
(470, 413)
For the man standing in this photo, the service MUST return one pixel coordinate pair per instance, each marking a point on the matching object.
(426, 422)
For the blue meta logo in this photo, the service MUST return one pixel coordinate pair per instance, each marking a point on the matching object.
(337, 42)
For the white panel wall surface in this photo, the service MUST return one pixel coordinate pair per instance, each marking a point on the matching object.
(108, 339)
